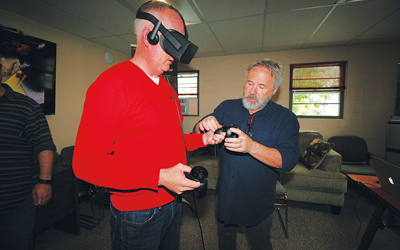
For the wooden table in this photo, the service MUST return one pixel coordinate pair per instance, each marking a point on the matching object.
(62, 211)
(384, 200)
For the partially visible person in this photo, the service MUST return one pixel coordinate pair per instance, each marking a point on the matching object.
(26, 161)
(130, 139)
(250, 164)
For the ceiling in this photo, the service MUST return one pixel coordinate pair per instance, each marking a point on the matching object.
(227, 27)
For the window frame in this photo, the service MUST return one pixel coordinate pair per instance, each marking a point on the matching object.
(183, 95)
(340, 89)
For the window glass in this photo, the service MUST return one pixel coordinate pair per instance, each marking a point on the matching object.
(317, 90)
(188, 92)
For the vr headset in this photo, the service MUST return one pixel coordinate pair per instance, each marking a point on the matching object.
(172, 42)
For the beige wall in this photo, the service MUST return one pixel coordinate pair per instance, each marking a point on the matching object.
(79, 62)
(369, 96)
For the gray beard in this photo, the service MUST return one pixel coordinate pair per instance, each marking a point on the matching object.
(254, 106)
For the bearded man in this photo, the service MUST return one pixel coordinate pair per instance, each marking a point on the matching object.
(249, 165)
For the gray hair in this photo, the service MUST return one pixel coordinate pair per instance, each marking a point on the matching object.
(275, 68)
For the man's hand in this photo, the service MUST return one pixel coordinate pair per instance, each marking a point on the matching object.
(209, 123)
(210, 138)
(41, 194)
(174, 179)
(243, 144)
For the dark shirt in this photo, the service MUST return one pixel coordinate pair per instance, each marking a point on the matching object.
(24, 133)
(246, 186)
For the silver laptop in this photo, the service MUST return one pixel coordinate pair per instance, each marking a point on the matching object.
(388, 175)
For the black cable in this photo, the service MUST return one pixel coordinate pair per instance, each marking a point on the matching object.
(198, 219)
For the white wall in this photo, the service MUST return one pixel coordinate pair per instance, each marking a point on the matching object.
(79, 62)
(370, 93)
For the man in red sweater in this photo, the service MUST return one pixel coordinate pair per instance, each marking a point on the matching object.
(130, 140)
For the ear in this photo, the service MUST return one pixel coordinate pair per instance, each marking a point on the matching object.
(275, 91)
(144, 37)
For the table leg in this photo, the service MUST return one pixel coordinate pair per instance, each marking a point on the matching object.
(376, 220)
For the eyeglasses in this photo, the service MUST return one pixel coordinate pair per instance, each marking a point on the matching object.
(249, 129)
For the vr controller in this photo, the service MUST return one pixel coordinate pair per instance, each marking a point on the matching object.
(226, 129)
(199, 174)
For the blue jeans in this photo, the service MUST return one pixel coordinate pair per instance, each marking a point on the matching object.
(16, 226)
(155, 228)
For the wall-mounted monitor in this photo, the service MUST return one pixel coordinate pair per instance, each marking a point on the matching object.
(28, 66)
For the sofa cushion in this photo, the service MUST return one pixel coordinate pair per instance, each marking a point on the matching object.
(315, 153)
(302, 178)
(306, 137)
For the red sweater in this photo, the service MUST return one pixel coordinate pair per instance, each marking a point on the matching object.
(129, 130)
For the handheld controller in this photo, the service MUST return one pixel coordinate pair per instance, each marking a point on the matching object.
(226, 129)
(200, 174)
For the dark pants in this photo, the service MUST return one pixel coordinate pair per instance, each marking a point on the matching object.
(259, 235)
(156, 228)
(16, 226)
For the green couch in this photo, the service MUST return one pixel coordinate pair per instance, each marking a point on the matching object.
(324, 185)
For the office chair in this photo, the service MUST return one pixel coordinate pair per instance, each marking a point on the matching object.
(281, 202)
(87, 193)
(354, 151)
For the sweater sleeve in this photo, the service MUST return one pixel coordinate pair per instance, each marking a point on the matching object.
(194, 141)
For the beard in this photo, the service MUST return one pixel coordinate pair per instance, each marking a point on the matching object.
(255, 105)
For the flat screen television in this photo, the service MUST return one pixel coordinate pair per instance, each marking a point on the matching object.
(28, 66)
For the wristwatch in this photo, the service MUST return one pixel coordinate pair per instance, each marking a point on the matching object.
(41, 181)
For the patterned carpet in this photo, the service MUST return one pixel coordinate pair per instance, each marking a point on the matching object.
(311, 226)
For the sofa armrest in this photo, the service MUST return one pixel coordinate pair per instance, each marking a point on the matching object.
(332, 162)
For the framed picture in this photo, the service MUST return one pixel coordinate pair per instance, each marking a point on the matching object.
(28, 66)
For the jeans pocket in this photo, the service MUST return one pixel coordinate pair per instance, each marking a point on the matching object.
(139, 218)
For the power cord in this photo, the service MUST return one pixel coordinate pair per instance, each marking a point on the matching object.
(198, 219)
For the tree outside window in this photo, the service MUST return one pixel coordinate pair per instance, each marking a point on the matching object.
(317, 89)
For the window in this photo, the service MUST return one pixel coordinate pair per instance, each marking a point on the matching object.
(317, 89)
(188, 92)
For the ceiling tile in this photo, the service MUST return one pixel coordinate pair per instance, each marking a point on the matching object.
(274, 6)
(284, 29)
(388, 28)
(186, 10)
(131, 38)
(217, 10)
(351, 20)
(134, 3)
(239, 34)
(110, 16)
(201, 35)
(53, 17)
(115, 43)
